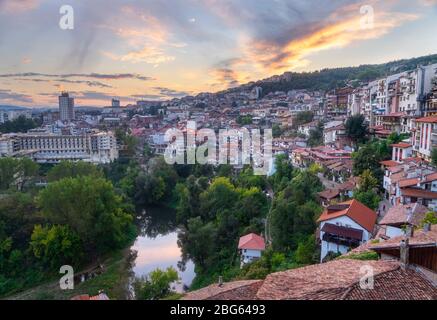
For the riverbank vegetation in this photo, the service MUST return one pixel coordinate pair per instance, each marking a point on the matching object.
(75, 219)
(78, 213)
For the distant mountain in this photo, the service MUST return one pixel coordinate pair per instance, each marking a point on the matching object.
(328, 79)
(9, 107)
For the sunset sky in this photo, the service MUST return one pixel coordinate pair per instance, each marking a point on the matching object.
(161, 49)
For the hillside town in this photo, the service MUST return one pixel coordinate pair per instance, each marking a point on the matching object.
(387, 207)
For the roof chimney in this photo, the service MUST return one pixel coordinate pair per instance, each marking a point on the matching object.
(409, 231)
(220, 281)
(404, 249)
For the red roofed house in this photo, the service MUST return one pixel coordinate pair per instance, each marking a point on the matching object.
(400, 216)
(345, 226)
(251, 247)
(401, 151)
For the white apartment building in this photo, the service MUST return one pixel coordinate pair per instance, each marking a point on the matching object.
(424, 138)
(97, 147)
(405, 93)
(345, 226)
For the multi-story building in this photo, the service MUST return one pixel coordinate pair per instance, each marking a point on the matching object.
(66, 107)
(9, 115)
(97, 147)
(357, 101)
(345, 226)
(424, 138)
(431, 101)
(115, 103)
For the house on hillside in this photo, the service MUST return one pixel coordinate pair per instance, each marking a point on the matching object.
(251, 247)
(399, 217)
(345, 226)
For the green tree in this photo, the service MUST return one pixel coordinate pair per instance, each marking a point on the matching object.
(276, 131)
(431, 217)
(91, 208)
(150, 190)
(434, 156)
(367, 181)
(20, 124)
(302, 118)
(369, 156)
(198, 243)
(305, 252)
(16, 172)
(356, 129)
(8, 170)
(369, 198)
(316, 136)
(295, 211)
(155, 286)
(220, 195)
(68, 169)
(244, 120)
(56, 246)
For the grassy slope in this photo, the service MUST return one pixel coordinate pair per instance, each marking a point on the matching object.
(113, 281)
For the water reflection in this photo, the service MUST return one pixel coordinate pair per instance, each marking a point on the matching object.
(157, 247)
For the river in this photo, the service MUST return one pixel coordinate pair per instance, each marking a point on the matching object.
(157, 247)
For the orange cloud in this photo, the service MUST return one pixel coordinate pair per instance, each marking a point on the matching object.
(150, 55)
(18, 6)
(275, 58)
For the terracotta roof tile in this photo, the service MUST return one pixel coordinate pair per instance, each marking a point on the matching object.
(395, 285)
(323, 281)
(418, 193)
(419, 238)
(412, 213)
(252, 242)
(431, 119)
(236, 290)
(389, 163)
(402, 145)
(329, 194)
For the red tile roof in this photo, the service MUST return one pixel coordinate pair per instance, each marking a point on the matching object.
(395, 285)
(355, 210)
(236, 290)
(418, 193)
(412, 213)
(402, 145)
(431, 119)
(335, 280)
(319, 282)
(389, 163)
(419, 238)
(101, 296)
(408, 182)
(252, 242)
(329, 194)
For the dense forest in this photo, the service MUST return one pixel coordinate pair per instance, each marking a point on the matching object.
(21, 124)
(328, 79)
